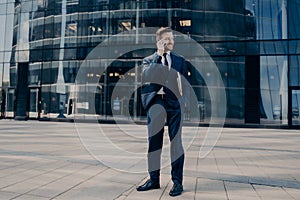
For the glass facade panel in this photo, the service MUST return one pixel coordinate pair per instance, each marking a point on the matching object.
(1, 74)
(5, 75)
(10, 103)
(295, 107)
(274, 91)
(34, 74)
(294, 19)
(294, 63)
(33, 103)
(272, 19)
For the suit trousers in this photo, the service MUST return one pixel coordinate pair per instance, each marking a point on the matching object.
(159, 113)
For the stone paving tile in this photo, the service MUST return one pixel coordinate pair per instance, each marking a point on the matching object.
(107, 185)
(152, 194)
(226, 164)
(272, 193)
(38, 181)
(7, 195)
(30, 197)
(236, 190)
(210, 189)
(241, 162)
(7, 163)
(126, 178)
(210, 196)
(123, 197)
(14, 179)
(208, 164)
(190, 164)
(274, 162)
(189, 188)
(28, 164)
(75, 176)
(295, 193)
(94, 190)
(253, 168)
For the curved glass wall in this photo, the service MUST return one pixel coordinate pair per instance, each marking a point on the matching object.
(6, 25)
(53, 38)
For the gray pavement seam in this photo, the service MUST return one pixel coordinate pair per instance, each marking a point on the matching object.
(34, 177)
(79, 183)
(246, 179)
(164, 190)
(130, 189)
(55, 180)
(31, 176)
(255, 148)
(288, 193)
(226, 192)
(254, 189)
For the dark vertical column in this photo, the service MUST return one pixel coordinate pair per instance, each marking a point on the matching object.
(290, 107)
(3, 104)
(22, 92)
(39, 103)
(252, 89)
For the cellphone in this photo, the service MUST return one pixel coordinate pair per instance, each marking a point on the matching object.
(164, 42)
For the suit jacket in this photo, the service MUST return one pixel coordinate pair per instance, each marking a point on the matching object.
(155, 75)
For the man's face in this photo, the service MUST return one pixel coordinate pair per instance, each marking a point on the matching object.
(169, 39)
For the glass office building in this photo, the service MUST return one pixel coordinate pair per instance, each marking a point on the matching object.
(44, 43)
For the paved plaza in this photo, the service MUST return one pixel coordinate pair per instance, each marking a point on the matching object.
(60, 160)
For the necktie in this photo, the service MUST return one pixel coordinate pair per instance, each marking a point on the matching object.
(165, 59)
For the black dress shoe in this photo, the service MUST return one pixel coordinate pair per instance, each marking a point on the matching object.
(148, 185)
(176, 190)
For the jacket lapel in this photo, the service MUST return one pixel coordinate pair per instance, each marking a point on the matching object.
(175, 62)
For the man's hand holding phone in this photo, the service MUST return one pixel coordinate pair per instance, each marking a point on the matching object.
(161, 46)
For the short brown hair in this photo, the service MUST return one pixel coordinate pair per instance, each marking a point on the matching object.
(162, 30)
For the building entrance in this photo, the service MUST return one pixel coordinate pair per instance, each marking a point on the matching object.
(294, 106)
(34, 103)
(2, 103)
(22, 92)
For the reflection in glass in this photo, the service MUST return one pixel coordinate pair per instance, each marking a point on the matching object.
(33, 103)
(274, 87)
(295, 107)
(294, 63)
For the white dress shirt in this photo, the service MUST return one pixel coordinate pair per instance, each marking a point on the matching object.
(168, 56)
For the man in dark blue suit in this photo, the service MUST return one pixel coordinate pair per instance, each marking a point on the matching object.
(165, 95)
